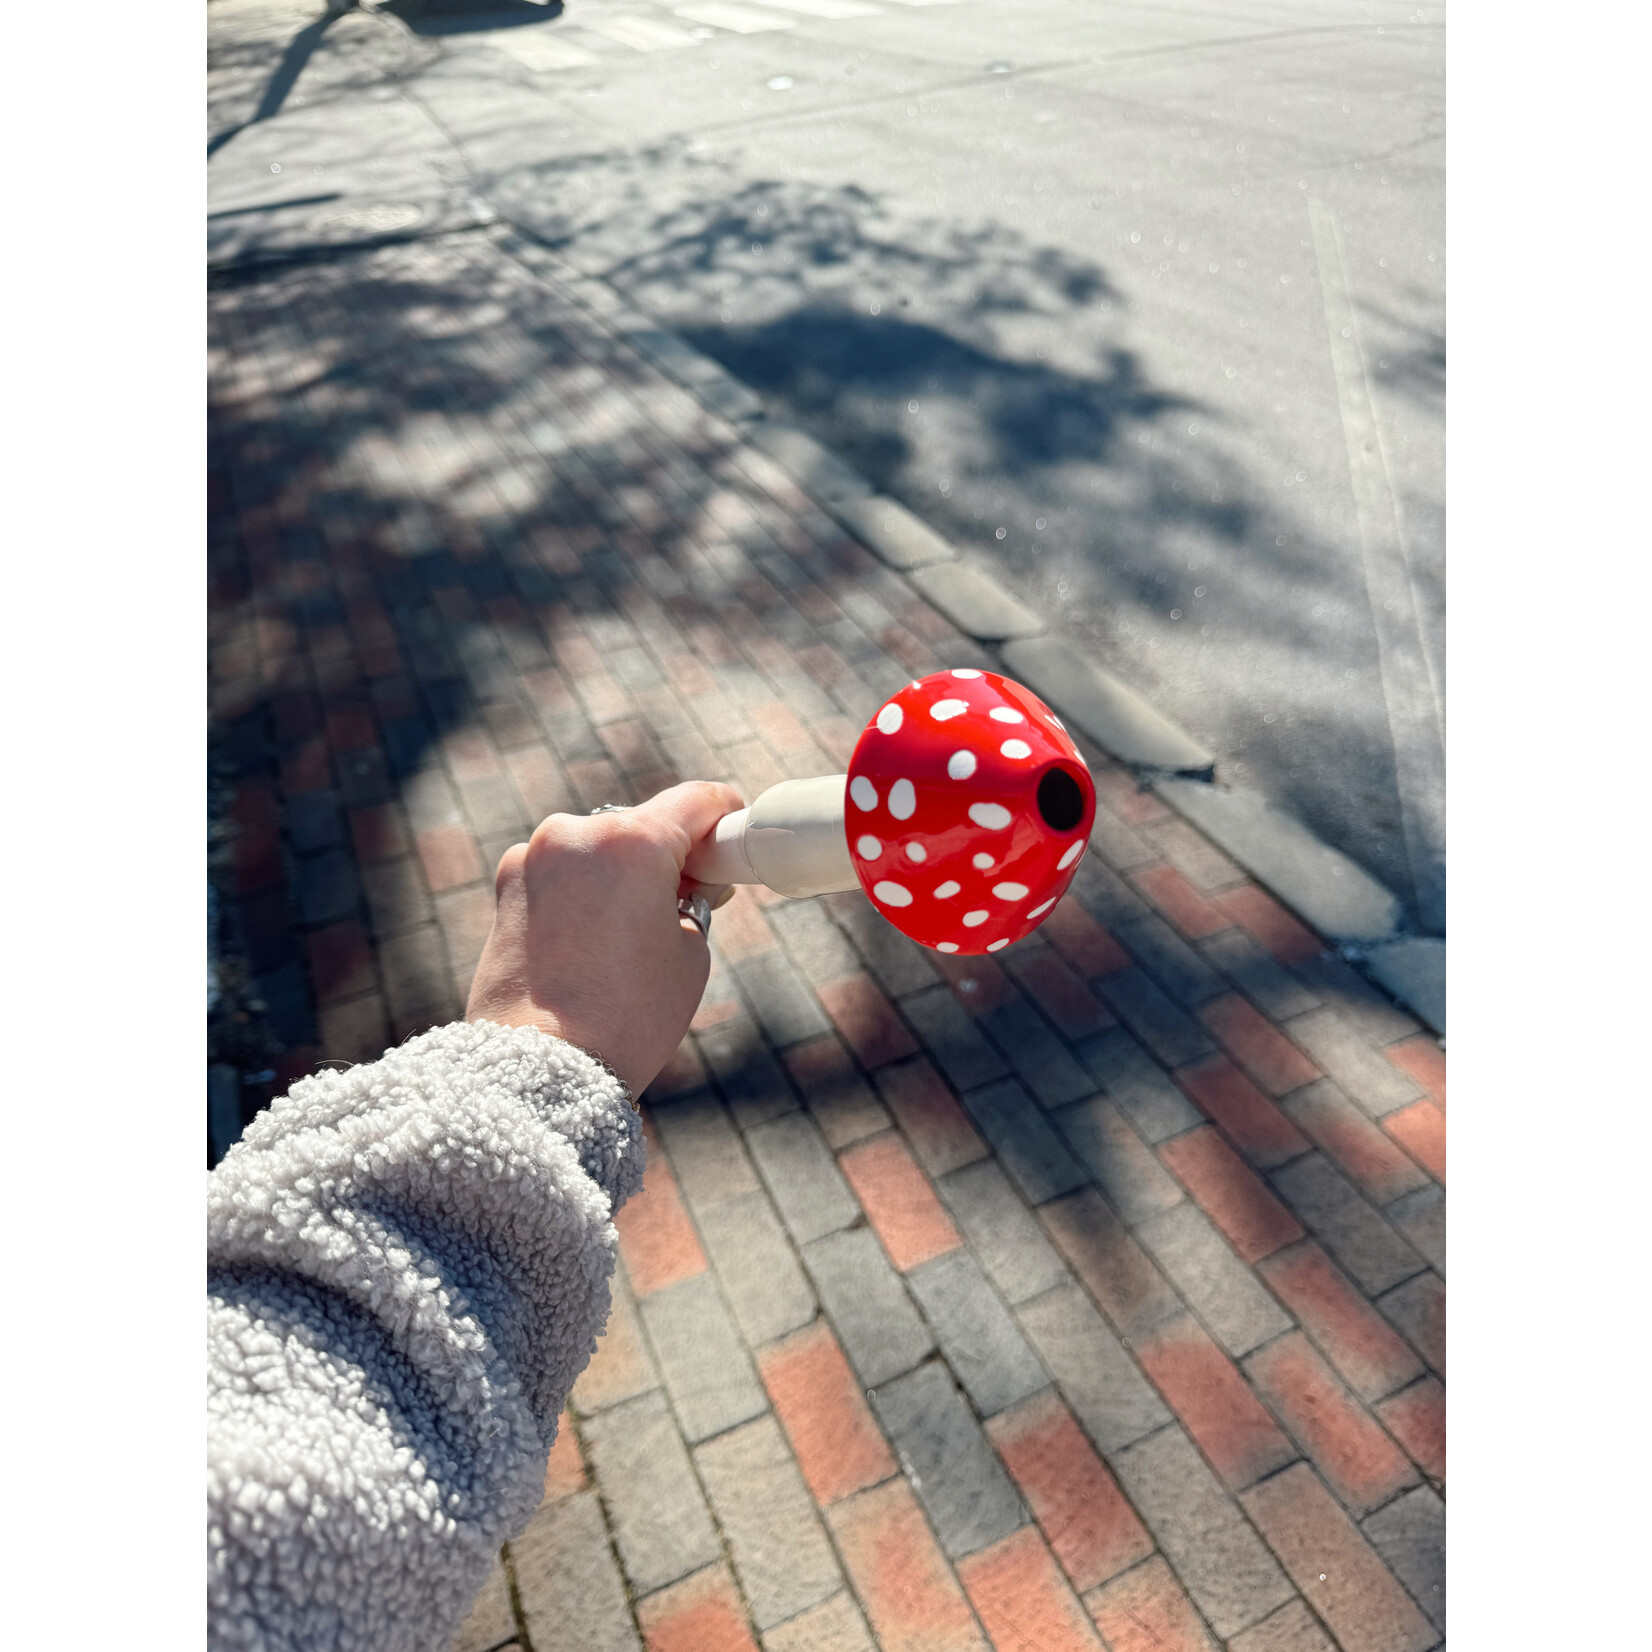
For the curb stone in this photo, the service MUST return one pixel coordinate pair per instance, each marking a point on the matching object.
(244, 238)
(1329, 891)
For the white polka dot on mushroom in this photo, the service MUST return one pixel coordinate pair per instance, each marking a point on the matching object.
(917, 852)
(1003, 714)
(1039, 911)
(863, 792)
(946, 946)
(965, 671)
(1016, 748)
(943, 710)
(892, 894)
(974, 920)
(994, 816)
(1010, 891)
(1073, 852)
(997, 946)
(903, 800)
(868, 847)
(890, 718)
(945, 891)
(981, 862)
(961, 765)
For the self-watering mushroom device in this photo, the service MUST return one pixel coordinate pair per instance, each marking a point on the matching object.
(963, 816)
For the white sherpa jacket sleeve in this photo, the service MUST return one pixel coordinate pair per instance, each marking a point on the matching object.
(408, 1266)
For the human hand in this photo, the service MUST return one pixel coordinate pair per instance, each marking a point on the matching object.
(587, 943)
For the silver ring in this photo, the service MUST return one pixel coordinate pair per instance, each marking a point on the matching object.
(605, 808)
(698, 908)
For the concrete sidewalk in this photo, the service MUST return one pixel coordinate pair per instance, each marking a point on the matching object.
(1087, 1296)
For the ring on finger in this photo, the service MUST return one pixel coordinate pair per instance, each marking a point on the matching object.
(697, 909)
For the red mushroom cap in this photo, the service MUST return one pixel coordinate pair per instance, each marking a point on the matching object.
(968, 810)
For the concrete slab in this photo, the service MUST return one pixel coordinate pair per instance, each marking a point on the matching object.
(1414, 970)
(976, 603)
(893, 532)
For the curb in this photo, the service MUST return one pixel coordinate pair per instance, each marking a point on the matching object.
(1331, 893)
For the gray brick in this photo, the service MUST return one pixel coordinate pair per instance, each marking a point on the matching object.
(1328, 1205)
(1097, 1377)
(1105, 895)
(494, 807)
(659, 1516)
(396, 896)
(1258, 974)
(1140, 1087)
(746, 1072)
(781, 1554)
(315, 821)
(1034, 1157)
(1293, 1628)
(867, 1304)
(1232, 1578)
(835, 1626)
(952, 1038)
(707, 1373)
(1410, 1535)
(1421, 1217)
(897, 964)
(622, 1367)
(802, 1177)
(417, 980)
(977, 1336)
(1413, 1310)
(568, 1581)
(955, 1472)
(816, 944)
(430, 800)
(781, 1000)
(1121, 847)
(1137, 1184)
(1037, 1054)
(1369, 1077)
(1171, 961)
(1373, 1016)
(327, 887)
(1133, 997)
(490, 1620)
(705, 1150)
(1225, 1294)
(839, 1099)
(759, 1274)
(1004, 1234)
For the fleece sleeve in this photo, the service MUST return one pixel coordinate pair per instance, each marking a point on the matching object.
(408, 1267)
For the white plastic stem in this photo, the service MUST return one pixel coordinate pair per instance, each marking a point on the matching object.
(791, 839)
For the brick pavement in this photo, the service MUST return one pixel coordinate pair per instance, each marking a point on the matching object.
(1091, 1295)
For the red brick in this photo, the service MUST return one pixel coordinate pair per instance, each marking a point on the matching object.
(867, 1021)
(620, 1368)
(351, 728)
(910, 1595)
(354, 1030)
(1257, 1045)
(1244, 1115)
(470, 755)
(1421, 1130)
(1022, 1599)
(341, 962)
(564, 1468)
(466, 917)
(257, 837)
(1271, 924)
(839, 1446)
(1372, 1161)
(1117, 788)
(926, 1109)
(1417, 1419)
(539, 782)
(682, 1073)
(700, 1614)
(1093, 1530)
(1205, 1389)
(1337, 1571)
(1062, 996)
(1422, 1059)
(899, 1202)
(656, 1237)
(547, 690)
(1113, 1267)
(449, 857)
(1357, 1340)
(740, 928)
(977, 983)
(1364, 1467)
(1230, 1193)
(1147, 1610)
(714, 1015)
(595, 783)
(377, 833)
(1082, 941)
(304, 768)
(1181, 903)
(777, 724)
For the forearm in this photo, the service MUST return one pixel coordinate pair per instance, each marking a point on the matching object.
(409, 1265)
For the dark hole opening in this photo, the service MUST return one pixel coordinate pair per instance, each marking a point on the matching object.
(1060, 801)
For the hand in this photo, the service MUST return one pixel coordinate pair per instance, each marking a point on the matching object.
(587, 943)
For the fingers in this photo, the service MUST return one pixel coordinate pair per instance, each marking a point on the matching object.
(688, 812)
